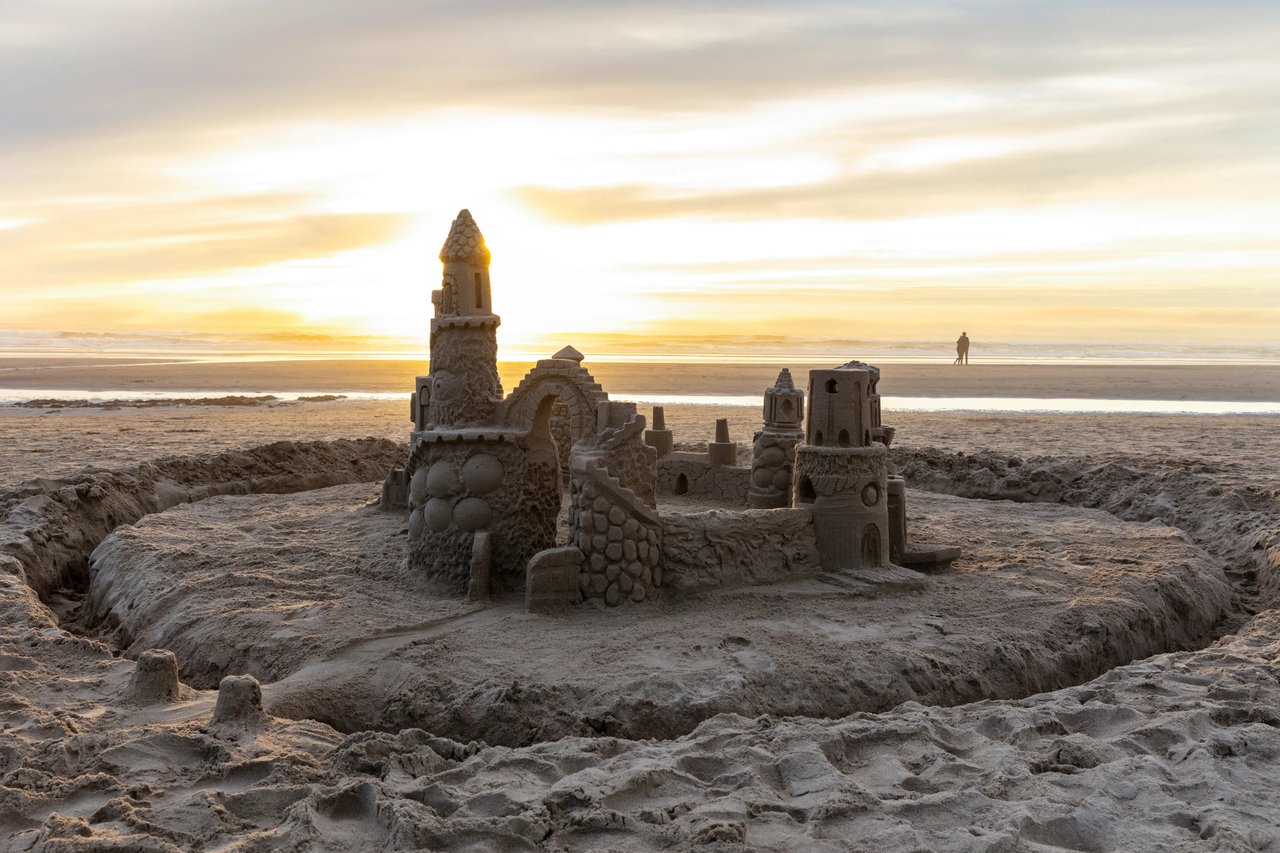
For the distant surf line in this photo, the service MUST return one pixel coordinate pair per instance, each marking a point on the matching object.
(957, 405)
(1001, 405)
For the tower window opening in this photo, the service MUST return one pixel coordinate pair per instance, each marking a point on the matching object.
(843, 438)
(682, 485)
(479, 292)
(832, 387)
(817, 438)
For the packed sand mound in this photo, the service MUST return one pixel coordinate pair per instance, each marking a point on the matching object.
(51, 526)
(309, 592)
(1233, 514)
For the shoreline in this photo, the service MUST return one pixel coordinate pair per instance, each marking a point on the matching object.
(132, 379)
(73, 399)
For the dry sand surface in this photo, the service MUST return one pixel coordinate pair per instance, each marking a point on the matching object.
(1091, 541)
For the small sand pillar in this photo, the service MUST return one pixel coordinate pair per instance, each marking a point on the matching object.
(239, 702)
(155, 678)
(552, 580)
(897, 491)
(722, 451)
(660, 438)
(481, 560)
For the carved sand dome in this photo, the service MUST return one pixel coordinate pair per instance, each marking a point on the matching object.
(465, 243)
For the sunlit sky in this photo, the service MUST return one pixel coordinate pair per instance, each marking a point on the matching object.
(652, 176)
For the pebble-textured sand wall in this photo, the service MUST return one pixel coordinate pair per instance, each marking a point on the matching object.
(620, 540)
(772, 461)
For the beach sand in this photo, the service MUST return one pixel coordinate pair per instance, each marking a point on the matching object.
(1092, 540)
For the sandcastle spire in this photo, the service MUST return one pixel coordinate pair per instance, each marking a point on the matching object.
(465, 242)
(784, 382)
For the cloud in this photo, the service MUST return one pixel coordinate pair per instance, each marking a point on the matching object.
(111, 241)
(75, 68)
(1177, 149)
(694, 114)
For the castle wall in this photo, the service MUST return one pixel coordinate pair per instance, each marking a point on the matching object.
(723, 548)
(621, 542)
(701, 478)
(773, 458)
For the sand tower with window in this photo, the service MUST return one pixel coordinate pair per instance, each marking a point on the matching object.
(841, 469)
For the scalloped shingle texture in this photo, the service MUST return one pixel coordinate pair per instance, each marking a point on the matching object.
(465, 242)
(859, 365)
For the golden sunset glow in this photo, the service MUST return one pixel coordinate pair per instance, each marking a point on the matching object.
(650, 176)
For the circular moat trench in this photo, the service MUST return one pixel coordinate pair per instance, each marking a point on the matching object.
(309, 593)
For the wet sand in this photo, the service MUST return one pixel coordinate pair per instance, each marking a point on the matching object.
(1234, 383)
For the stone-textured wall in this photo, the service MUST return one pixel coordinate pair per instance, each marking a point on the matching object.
(622, 543)
(722, 548)
(701, 478)
(633, 463)
(613, 517)
(772, 460)
(458, 488)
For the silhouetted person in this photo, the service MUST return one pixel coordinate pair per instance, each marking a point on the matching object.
(962, 349)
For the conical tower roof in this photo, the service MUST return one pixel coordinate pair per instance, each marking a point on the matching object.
(465, 242)
(784, 382)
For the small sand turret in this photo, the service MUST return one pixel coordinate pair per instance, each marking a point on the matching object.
(774, 450)
(659, 437)
(155, 678)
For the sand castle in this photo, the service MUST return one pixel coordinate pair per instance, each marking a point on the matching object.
(485, 475)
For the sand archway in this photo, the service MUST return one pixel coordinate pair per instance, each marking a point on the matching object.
(573, 393)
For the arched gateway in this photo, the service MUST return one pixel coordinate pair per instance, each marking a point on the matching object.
(566, 395)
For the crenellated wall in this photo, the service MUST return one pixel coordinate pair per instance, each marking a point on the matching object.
(685, 473)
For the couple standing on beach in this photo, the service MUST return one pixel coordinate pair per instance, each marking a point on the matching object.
(962, 349)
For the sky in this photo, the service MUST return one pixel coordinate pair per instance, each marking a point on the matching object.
(651, 177)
